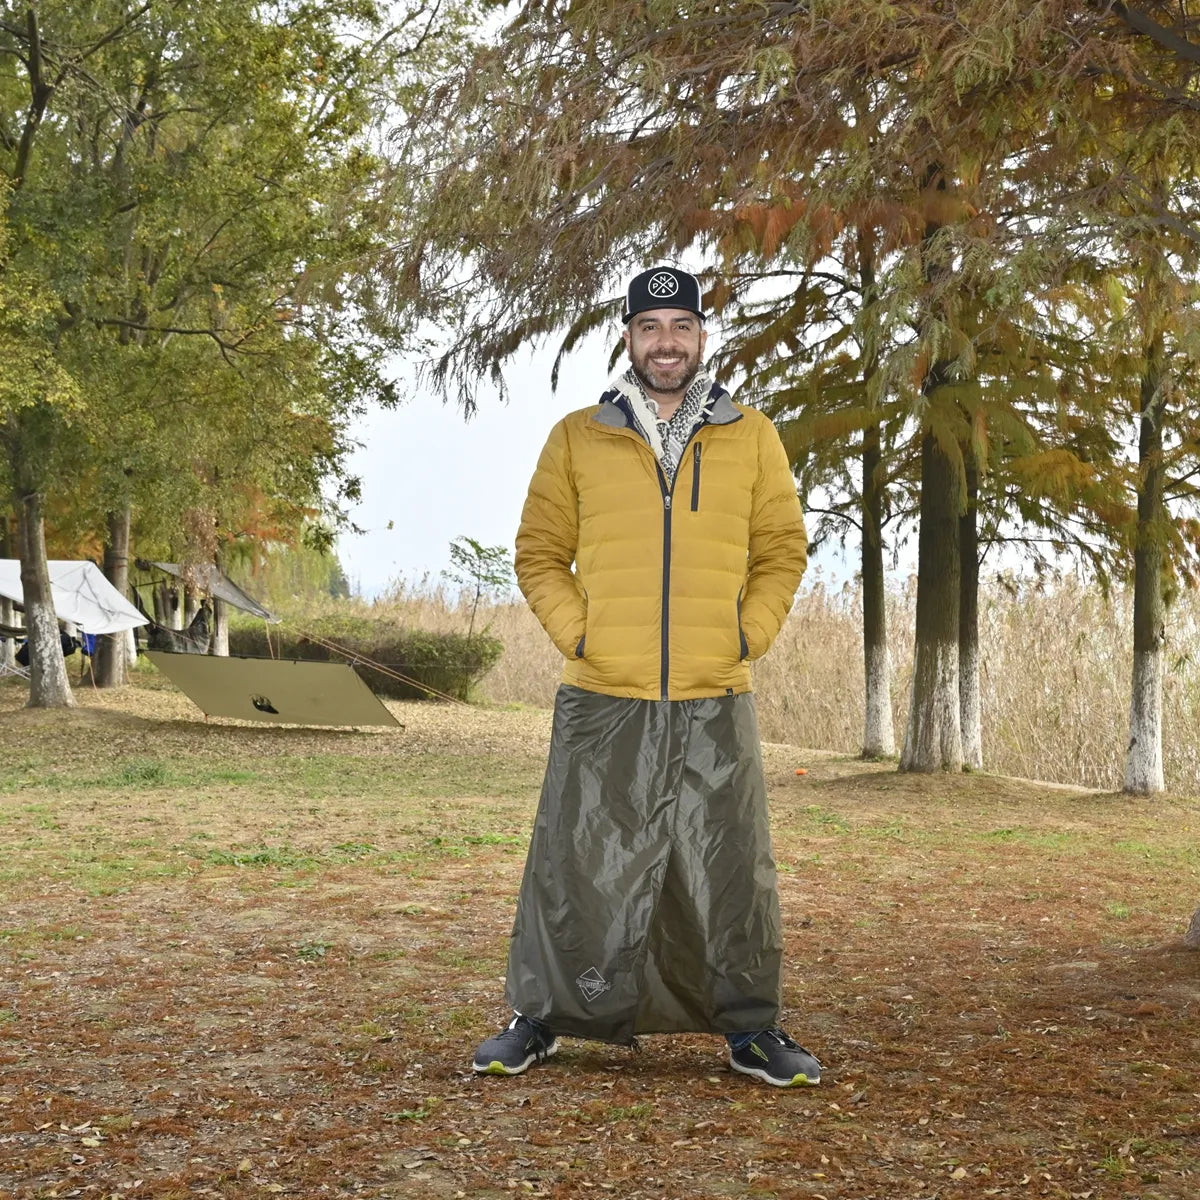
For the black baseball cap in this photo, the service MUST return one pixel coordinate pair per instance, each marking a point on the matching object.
(662, 287)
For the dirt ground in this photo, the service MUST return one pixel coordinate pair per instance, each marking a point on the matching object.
(244, 961)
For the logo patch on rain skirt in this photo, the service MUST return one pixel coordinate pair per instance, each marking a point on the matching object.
(592, 984)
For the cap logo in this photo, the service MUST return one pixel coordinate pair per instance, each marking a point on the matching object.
(662, 284)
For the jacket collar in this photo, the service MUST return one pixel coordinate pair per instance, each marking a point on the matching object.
(723, 412)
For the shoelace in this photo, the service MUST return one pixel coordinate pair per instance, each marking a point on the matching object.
(541, 1040)
(790, 1044)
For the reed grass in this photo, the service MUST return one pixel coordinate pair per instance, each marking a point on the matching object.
(1056, 670)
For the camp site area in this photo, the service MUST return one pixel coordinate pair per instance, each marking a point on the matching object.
(246, 961)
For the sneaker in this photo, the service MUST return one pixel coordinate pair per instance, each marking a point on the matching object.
(773, 1057)
(512, 1050)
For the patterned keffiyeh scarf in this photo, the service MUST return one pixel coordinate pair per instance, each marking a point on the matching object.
(667, 438)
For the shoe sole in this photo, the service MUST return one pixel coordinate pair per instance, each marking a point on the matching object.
(800, 1080)
(496, 1067)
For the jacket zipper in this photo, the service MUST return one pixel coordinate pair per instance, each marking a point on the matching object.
(665, 648)
(668, 493)
(696, 479)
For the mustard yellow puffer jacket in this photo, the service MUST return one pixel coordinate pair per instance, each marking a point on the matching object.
(674, 591)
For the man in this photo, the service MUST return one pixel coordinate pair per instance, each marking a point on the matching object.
(649, 901)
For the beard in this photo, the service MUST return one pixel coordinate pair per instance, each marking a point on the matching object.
(666, 380)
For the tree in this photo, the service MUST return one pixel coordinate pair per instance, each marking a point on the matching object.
(197, 186)
(819, 391)
(1163, 323)
(481, 569)
(41, 408)
(1139, 199)
(594, 138)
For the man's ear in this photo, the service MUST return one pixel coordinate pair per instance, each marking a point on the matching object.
(626, 336)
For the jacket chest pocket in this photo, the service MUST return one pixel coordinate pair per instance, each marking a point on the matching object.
(714, 484)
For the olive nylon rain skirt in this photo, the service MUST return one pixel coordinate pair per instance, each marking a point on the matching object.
(649, 901)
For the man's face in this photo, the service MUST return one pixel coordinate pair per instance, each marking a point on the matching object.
(666, 346)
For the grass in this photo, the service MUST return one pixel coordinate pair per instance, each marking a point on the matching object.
(314, 777)
(268, 814)
(134, 773)
(228, 945)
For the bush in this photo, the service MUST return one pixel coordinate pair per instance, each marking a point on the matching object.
(446, 663)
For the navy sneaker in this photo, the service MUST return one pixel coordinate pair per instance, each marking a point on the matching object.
(773, 1057)
(514, 1049)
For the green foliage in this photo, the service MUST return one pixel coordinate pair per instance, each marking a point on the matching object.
(286, 577)
(484, 570)
(446, 663)
(188, 193)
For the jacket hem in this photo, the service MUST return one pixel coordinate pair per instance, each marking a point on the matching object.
(650, 693)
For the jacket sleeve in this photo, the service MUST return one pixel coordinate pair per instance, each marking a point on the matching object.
(546, 543)
(778, 545)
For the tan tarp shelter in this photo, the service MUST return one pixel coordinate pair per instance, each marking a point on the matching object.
(280, 691)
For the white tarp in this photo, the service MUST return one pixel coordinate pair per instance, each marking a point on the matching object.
(81, 595)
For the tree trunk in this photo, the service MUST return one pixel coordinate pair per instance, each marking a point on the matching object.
(8, 647)
(48, 685)
(879, 735)
(111, 652)
(192, 600)
(168, 611)
(879, 738)
(934, 738)
(219, 645)
(968, 624)
(1144, 764)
